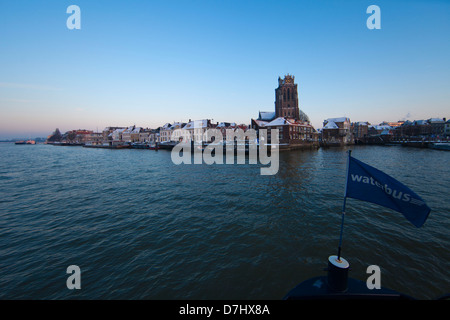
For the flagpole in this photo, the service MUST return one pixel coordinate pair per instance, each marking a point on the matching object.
(343, 206)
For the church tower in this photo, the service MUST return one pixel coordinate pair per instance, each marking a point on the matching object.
(286, 98)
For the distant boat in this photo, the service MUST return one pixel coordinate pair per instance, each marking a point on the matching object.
(25, 142)
(143, 145)
(167, 145)
(441, 146)
(139, 145)
(103, 146)
(69, 144)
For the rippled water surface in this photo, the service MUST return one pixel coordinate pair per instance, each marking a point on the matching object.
(140, 227)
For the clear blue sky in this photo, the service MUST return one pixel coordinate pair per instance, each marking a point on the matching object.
(152, 62)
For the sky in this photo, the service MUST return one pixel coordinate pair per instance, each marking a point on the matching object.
(146, 63)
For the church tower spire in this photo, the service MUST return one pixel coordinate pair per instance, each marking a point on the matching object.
(286, 98)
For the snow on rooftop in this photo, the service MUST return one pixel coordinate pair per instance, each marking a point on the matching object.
(261, 123)
(129, 129)
(278, 122)
(331, 125)
(266, 116)
(341, 119)
(120, 130)
(436, 120)
(196, 124)
(226, 124)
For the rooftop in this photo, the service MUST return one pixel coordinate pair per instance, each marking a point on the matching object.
(330, 125)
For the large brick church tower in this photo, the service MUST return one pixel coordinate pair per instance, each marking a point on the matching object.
(286, 98)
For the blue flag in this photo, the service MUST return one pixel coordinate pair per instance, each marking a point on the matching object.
(370, 184)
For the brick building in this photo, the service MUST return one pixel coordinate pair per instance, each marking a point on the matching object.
(295, 130)
(337, 131)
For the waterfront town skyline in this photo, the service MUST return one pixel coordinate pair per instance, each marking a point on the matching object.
(287, 112)
(293, 127)
(317, 124)
(45, 133)
(152, 63)
(296, 129)
(293, 111)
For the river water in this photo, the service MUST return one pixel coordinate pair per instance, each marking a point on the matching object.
(141, 227)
